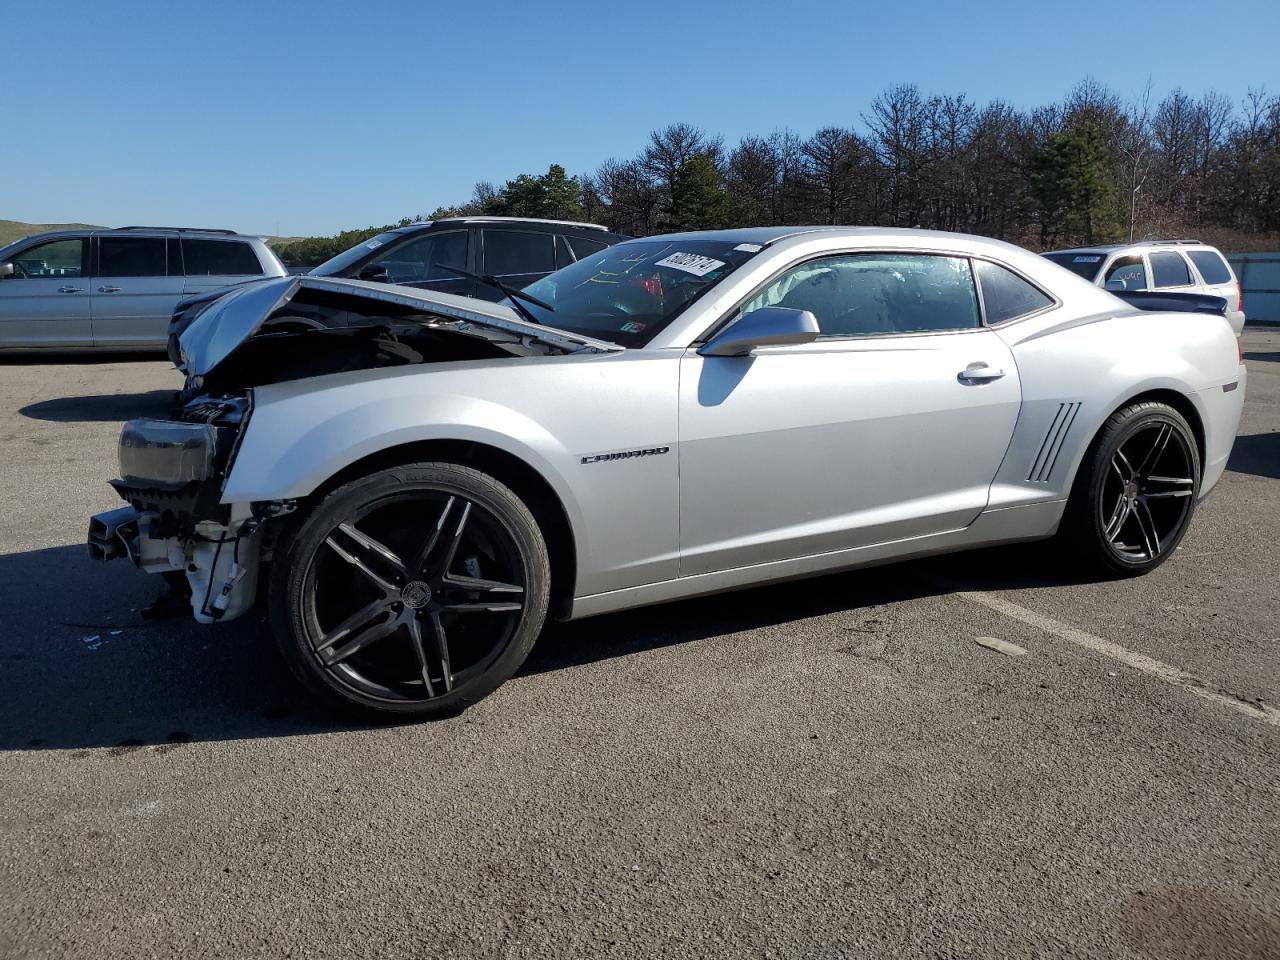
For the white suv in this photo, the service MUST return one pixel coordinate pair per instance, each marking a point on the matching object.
(116, 289)
(1172, 266)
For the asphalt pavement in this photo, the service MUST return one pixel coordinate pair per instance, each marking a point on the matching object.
(832, 768)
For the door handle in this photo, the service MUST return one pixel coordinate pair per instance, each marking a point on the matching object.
(979, 373)
(108, 289)
(68, 289)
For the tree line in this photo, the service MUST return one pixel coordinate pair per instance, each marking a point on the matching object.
(1091, 169)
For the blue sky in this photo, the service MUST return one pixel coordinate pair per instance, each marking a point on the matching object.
(310, 117)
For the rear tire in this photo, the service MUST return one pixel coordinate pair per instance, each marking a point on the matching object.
(1135, 492)
(412, 592)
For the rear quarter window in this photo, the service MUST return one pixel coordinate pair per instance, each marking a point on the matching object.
(1005, 295)
(1211, 266)
(220, 258)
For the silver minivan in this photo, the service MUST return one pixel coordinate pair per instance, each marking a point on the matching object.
(80, 290)
(1169, 266)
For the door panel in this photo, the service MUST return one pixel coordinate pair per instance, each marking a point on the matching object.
(837, 444)
(46, 302)
(132, 294)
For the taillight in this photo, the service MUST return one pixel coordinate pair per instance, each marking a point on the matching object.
(1239, 297)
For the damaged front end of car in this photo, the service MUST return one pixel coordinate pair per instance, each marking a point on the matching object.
(173, 472)
(171, 476)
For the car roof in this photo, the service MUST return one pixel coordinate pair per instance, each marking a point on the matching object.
(1112, 247)
(535, 223)
(210, 233)
(764, 236)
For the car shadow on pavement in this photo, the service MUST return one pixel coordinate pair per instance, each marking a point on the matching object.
(1273, 357)
(615, 635)
(103, 407)
(1258, 454)
(82, 669)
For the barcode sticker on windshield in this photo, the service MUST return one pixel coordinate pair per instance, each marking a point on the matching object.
(749, 247)
(374, 244)
(1085, 259)
(690, 263)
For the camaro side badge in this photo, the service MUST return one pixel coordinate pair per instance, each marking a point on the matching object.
(625, 454)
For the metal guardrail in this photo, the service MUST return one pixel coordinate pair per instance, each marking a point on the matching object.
(1259, 276)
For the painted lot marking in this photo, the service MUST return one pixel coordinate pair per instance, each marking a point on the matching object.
(1129, 658)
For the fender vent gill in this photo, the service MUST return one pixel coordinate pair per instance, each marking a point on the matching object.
(1052, 443)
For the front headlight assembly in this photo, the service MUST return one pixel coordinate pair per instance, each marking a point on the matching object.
(168, 454)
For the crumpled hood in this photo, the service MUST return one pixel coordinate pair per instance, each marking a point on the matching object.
(232, 319)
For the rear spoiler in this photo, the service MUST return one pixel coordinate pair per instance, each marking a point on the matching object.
(1176, 302)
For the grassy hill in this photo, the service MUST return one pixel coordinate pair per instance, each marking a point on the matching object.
(11, 230)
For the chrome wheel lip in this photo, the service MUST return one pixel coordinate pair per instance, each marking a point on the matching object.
(422, 628)
(1141, 482)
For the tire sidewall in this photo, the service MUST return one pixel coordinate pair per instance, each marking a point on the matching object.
(290, 605)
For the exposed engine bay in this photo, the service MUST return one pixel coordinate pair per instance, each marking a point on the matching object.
(173, 471)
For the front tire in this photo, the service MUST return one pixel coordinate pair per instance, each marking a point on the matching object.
(1136, 491)
(411, 592)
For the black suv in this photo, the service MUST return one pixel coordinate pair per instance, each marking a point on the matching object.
(515, 250)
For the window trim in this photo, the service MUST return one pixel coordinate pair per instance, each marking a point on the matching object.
(731, 313)
(527, 273)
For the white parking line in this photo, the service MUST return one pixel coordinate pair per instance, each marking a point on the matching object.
(1129, 658)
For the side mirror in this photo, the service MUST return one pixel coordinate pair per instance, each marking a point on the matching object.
(1116, 285)
(6, 270)
(766, 327)
(375, 272)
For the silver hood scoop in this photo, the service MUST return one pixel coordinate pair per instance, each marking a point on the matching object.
(236, 317)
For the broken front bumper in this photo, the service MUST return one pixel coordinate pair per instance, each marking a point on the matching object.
(221, 562)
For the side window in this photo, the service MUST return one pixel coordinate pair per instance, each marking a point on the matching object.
(1005, 295)
(1170, 270)
(582, 247)
(1127, 273)
(131, 257)
(420, 259)
(220, 258)
(57, 258)
(508, 252)
(1211, 266)
(871, 294)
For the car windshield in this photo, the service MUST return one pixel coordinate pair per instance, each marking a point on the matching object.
(335, 266)
(628, 293)
(1085, 265)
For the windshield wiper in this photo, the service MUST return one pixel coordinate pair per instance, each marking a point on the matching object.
(515, 296)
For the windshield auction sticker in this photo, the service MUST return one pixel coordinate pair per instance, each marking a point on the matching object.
(1085, 259)
(690, 263)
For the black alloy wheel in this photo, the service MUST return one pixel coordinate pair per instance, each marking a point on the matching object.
(417, 590)
(1137, 489)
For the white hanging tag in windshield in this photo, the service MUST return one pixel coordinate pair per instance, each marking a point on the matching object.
(690, 263)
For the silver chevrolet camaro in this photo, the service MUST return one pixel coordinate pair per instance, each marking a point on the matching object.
(415, 480)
